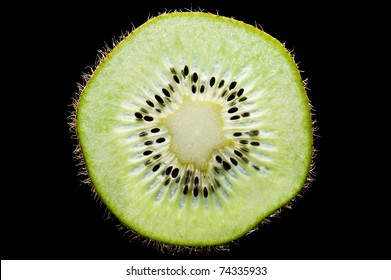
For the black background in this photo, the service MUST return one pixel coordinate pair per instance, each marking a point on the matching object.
(48, 214)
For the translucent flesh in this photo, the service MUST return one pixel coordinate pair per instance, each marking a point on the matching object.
(136, 70)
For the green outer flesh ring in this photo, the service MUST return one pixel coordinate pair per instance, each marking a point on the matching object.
(101, 169)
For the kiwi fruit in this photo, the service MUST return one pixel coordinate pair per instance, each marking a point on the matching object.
(195, 128)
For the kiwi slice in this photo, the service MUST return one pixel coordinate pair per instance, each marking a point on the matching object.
(195, 128)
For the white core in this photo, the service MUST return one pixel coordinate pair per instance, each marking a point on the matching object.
(196, 131)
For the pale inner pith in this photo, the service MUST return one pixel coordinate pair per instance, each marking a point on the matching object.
(196, 131)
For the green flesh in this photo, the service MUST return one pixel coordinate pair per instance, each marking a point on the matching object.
(135, 187)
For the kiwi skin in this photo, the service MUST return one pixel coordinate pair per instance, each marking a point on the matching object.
(107, 215)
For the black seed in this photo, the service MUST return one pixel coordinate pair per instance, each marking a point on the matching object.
(217, 170)
(212, 81)
(224, 93)
(232, 85)
(193, 89)
(255, 143)
(195, 191)
(226, 165)
(172, 69)
(166, 92)
(176, 79)
(221, 84)
(234, 162)
(142, 134)
(240, 92)
(196, 181)
(168, 170)
(217, 183)
(254, 133)
(148, 118)
(205, 192)
(147, 152)
(148, 162)
(218, 158)
(247, 114)
(138, 115)
(256, 167)
(175, 172)
(237, 134)
(144, 110)
(158, 110)
(185, 189)
(147, 143)
(244, 149)
(233, 103)
(243, 142)
(171, 87)
(155, 130)
(239, 154)
(232, 110)
(186, 71)
(194, 78)
(160, 140)
(156, 167)
(236, 117)
(177, 180)
(245, 160)
(242, 99)
(167, 182)
(202, 89)
(159, 99)
(187, 178)
(212, 188)
(157, 156)
(231, 97)
(150, 103)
